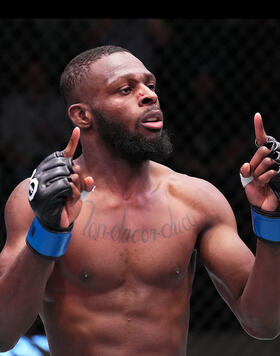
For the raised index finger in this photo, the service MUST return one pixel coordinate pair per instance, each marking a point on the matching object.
(261, 136)
(72, 144)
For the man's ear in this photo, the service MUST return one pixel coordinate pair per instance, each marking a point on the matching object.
(80, 115)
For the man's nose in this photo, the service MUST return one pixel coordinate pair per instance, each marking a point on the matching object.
(147, 96)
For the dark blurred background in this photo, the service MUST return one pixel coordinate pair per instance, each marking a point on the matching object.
(213, 75)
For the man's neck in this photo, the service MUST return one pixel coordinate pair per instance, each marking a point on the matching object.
(115, 173)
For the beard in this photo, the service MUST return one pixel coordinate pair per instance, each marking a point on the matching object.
(133, 147)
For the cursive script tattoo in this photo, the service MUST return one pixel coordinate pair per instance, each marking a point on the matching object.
(119, 233)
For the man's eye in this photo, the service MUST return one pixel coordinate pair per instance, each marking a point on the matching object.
(126, 90)
(152, 87)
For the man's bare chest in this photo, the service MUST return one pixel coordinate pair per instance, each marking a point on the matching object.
(109, 246)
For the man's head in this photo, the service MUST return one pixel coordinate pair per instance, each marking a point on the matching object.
(110, 92)
(77, 71)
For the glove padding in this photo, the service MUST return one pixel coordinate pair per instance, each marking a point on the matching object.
(49, 188)
(274, 147)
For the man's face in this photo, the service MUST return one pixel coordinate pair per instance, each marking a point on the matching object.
(126, 109)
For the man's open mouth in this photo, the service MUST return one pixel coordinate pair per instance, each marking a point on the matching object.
(153, 120)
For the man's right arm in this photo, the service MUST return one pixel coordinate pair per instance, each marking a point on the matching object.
(39, 218)
(23, 274)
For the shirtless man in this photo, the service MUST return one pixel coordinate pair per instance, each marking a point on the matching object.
(109, 270)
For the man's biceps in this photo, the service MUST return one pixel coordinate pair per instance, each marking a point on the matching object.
(220, 233)
(229, 275)
(18, 219)
(7, 257)
(221, 247)
(14, 244)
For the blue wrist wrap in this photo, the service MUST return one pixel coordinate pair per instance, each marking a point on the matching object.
(266, 225)
(47, 243)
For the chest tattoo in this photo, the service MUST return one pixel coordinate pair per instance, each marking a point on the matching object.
(120, 233)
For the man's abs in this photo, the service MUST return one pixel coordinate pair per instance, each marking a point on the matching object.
(131, 320)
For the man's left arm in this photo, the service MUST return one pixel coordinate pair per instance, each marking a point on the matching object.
(250, 285)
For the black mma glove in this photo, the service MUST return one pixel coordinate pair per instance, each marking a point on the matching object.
(49, 188)
(266, 224)
(274, 147)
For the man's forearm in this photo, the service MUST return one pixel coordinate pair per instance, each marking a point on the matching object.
(260, 300)
(22, 288)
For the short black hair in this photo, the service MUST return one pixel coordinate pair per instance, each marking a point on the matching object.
(76, 70)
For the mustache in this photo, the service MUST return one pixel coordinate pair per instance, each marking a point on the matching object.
(149, 109)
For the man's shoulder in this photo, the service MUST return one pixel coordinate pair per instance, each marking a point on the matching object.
(193, 190)
(183, 181)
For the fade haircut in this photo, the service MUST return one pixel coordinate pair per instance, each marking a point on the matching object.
(77, 69)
